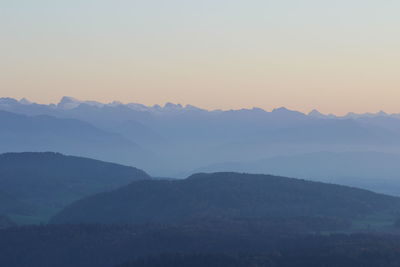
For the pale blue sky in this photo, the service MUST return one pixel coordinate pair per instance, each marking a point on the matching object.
(217, 54)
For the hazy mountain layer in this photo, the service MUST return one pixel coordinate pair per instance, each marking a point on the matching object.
(20, 133)
(184, 138)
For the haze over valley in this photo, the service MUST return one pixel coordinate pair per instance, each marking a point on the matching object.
(175, 141)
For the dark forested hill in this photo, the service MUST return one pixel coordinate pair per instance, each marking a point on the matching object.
(357, 251)
(49, 181)
(11, 204)
(232, 245)
(374, 171)
(224, 195)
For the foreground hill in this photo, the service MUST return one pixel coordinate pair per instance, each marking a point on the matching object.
(225, 195)
(49, 181)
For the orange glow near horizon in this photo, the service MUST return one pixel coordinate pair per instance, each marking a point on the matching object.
(336, 57)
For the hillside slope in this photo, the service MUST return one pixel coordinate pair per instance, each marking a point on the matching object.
(11, 204)
(224, 195)
(49, 181)
(363, 169)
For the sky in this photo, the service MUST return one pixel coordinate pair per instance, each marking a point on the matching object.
(335, 56)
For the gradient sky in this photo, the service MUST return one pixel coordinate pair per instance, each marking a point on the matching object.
(336, 56)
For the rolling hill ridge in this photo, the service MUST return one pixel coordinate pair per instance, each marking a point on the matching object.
(225, 195)
(49, 181)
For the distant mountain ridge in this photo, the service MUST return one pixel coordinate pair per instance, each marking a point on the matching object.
(68, 103)
(174, 139)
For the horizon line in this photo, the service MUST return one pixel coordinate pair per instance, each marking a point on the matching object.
(26, 101)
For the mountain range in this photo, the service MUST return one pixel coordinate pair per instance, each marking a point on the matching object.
(173, 140)
(69, 103)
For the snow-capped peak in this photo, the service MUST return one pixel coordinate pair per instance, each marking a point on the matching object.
(68, 102)
(25, 101)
